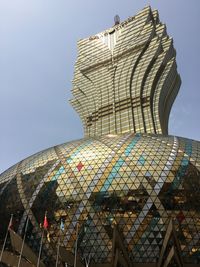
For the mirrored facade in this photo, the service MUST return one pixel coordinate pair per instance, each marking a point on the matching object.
(124, 173)
(136, 181)
(126, 78)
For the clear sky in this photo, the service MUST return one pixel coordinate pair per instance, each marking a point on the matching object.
(37, 54)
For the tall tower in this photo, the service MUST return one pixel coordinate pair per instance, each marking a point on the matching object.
(126, 77)
(130, 198)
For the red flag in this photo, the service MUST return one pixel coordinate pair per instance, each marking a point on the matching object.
(180, 217)
(45, 223)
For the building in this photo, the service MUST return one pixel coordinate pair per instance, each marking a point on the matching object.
(128, 193)
(125, 78)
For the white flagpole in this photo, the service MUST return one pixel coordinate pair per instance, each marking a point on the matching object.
(38, 262)
(4, 243)
(22, 247)
(87, 261)
(76, 244)
(44, 227)
(58, 248)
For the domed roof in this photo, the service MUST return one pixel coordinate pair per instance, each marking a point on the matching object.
(137, 181)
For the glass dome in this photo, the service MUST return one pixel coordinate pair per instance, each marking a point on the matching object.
(135, 181)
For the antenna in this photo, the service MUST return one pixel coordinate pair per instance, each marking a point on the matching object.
(117, 19)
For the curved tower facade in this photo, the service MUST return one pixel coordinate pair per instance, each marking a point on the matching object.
(127, 194)
(126, 78)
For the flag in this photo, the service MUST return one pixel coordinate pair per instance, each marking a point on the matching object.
(62, 226)
(180, 217)
(45, 223)
(10, 225)
(48, 237)
(45, 226)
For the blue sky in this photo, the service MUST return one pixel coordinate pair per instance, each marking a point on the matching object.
(37, 55)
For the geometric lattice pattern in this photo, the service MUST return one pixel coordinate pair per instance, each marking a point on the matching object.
(125, 78)
(137, 181)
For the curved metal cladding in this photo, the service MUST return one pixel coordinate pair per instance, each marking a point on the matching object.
(126, 78)
(137, 181)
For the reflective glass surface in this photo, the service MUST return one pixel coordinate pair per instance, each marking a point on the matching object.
(137, 181)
